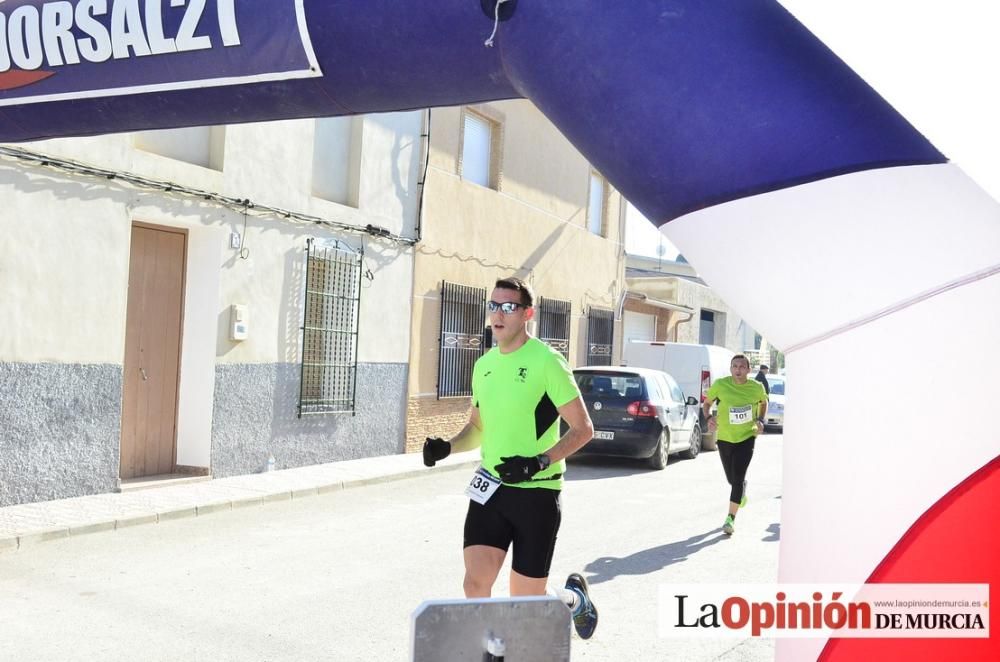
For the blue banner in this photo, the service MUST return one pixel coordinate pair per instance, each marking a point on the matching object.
(54, 50)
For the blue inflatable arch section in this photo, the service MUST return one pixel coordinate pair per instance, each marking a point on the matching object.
(682, 104)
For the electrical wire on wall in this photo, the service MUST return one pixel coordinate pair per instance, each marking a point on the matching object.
(239, 205)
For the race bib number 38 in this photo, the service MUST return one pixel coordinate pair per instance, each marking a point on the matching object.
(739, 415)
(482, 486)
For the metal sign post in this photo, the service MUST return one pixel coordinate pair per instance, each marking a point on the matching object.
(532, 629)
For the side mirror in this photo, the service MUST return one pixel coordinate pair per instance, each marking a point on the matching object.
(692, 401)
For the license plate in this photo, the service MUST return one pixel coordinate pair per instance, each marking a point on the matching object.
(602, 434)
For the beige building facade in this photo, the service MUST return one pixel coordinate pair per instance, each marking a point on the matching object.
(506, 194)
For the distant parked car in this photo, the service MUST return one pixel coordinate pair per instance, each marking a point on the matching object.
(775, 419)
(638, 413)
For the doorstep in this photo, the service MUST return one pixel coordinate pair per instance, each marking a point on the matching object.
(161, 480)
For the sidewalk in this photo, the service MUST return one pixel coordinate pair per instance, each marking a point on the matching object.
(31, 523)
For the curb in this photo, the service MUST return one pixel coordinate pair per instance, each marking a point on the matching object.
(191, 507)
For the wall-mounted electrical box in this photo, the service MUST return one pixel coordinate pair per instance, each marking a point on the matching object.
(238, 323)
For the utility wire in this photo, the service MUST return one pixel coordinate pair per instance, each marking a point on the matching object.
(239, 205)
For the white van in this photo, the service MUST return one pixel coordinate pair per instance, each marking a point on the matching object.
(693, 367)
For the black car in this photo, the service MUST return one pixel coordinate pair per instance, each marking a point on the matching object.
(638, 413)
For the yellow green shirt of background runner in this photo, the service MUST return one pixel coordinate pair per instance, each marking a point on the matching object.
(730, 395)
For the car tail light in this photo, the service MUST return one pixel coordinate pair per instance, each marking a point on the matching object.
(642, 408)
(706, 383)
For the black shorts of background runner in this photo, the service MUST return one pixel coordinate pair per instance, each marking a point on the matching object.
(735, 460)
(527, 517)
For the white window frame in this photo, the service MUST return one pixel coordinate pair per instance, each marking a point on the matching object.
(345, 190)
(597, 205)
(467, 167)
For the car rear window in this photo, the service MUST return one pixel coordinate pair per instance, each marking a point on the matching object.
(777, 387)
(610, 384)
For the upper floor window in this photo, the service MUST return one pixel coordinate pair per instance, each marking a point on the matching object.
(480, 137)
(201, 145)
(597, 204)
(337, 159)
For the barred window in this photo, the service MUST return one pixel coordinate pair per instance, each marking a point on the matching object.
(330, 330)
(600, 336)
(463, 316)
(553, 324)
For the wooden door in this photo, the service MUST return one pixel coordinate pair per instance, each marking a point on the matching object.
(152, 351)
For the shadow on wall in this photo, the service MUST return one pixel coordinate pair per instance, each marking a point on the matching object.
(407, 199)
(284, 414)
(30, 180)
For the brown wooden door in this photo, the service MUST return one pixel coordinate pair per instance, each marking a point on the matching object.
(152, 351)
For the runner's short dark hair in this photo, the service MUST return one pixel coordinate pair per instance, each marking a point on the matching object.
(518, 285)
(740, 356)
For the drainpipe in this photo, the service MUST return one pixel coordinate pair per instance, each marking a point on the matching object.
(425, 141)
(687, 319)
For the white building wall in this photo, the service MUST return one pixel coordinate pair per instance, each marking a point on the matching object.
(64, 244)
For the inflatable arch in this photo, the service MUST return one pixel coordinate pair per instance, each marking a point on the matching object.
(725, 122)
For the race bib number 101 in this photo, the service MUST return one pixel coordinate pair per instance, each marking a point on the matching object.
(740, 415)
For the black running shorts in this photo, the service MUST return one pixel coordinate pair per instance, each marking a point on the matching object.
(527, 517)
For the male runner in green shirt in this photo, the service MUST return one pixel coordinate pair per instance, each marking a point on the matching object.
(520, 389)
(740, 418)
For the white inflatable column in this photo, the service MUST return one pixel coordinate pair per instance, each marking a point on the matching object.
(882, 288)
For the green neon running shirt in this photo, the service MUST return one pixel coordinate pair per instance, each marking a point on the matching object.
(518, 395)
(736, 402)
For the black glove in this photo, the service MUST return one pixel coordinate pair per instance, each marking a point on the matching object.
(518, 469)
(435, 448)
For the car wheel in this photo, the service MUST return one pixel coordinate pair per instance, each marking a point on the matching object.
(692, 452)
(662, 452)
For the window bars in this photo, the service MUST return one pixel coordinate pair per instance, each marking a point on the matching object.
(463, 316)
(553, 324)
(330, 330)
(600, 336)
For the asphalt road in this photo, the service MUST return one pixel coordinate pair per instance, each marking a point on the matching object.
(336, 577)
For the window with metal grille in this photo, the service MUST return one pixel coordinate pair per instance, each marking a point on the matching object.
(600, 336)
(330, 330)
(463, 315)
(553, 324)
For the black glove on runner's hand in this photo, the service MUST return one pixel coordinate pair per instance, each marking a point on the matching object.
(518, 469)
(435, 448)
